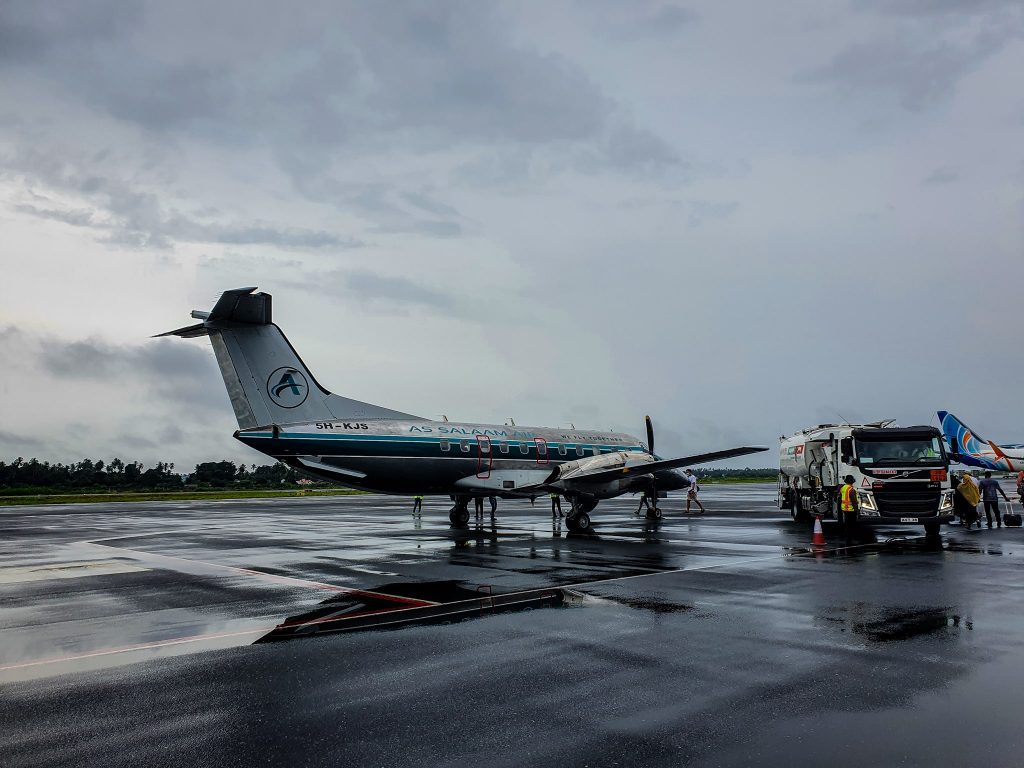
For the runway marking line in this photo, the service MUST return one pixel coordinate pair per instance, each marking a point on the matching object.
(408, 601)
(419, 603)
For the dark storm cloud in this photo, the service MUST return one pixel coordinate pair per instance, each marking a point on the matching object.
(170, 371)
(32, 31)
(14, 444)
(920, 75)
(125, 215)
(930, 46)
(331, 78)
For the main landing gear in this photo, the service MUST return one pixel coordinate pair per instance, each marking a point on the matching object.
(459, 514)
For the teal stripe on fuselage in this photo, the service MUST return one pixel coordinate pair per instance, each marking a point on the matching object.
(434, 440)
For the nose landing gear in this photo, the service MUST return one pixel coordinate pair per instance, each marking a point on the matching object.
(459, 514)
(578, 520)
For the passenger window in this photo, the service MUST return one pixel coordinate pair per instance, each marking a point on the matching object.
(503, 447)
(465, 446)
(579, 450)
(445, 446)
(561, 449)
(524, 448)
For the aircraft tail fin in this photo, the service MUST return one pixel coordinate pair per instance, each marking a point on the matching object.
(267, 381)
(966, 445)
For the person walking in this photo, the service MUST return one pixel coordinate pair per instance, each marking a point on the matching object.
(556, 505)
(691, 493)
(643, 503)
(848, 507)
(479, 503)
(1020, 486)
(969, 496)
(417, 505)
(494, 505)
(990, 492)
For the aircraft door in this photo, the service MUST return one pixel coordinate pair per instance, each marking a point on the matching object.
(542, 450)
(483, 457)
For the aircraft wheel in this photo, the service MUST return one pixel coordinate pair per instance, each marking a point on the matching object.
(459, 516)
(655, 513)
(583, 523)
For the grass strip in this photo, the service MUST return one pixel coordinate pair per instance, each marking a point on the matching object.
(93, 498)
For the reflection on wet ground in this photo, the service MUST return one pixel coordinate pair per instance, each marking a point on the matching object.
(889, 625)
(697, 640)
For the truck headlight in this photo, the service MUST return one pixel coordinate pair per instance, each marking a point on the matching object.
(947, 501)
(866, 501)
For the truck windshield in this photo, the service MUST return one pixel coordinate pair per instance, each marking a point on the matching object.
(900, 452)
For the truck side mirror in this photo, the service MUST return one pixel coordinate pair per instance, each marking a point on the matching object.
(846, 449)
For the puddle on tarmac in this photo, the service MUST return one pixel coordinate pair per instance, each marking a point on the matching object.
(649, 604)
(894, 625)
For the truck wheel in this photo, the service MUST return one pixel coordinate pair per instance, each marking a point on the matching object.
(931, 530)
(797, 512)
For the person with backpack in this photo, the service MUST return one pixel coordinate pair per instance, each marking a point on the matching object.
(691, 493)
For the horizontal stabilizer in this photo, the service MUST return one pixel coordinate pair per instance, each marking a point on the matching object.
(239, 305)
(188, 332)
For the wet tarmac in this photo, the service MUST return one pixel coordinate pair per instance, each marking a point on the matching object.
(344, 631)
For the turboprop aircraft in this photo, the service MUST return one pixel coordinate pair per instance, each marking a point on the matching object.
(970, 448)
(285, 413)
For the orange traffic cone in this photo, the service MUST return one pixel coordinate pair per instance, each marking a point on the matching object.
(818, 539)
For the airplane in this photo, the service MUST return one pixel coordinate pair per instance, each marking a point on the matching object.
(284, 412)
(970, 448)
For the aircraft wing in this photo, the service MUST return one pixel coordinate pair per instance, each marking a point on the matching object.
(638, 470)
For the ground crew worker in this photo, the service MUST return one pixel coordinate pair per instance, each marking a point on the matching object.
(494, 504)
(989, 490)
(556, 505)
(479, 502)
(848, 506)
(417, 505)
(644, 503)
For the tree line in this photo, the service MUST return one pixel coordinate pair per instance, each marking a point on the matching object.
(117, 475)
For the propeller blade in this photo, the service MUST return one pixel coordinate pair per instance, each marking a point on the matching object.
(650, 434)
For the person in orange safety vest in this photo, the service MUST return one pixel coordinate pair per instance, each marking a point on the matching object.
(848, 506)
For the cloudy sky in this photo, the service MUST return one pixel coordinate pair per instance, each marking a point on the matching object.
(740, 217)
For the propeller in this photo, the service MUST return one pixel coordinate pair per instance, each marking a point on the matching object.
(650, 448)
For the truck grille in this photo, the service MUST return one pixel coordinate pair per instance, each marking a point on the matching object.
(913, 500)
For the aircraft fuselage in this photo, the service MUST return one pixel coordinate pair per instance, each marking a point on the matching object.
(430, 457)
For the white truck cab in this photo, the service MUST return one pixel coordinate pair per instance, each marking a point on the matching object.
(901, 473)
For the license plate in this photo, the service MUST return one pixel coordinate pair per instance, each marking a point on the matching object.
(908, 519)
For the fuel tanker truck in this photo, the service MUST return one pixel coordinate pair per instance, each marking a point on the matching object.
(901, 473)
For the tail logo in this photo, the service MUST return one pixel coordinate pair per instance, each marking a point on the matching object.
(287, 387)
